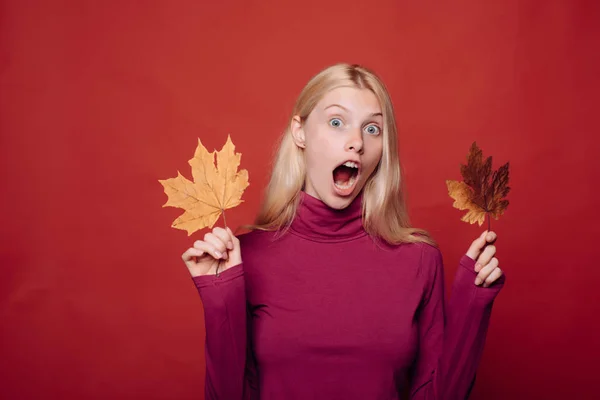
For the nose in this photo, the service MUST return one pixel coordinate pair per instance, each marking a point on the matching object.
(355, 143)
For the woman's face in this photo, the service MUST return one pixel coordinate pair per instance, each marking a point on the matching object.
(342, 140)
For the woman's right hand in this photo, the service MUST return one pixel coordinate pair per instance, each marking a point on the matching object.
(220, 248)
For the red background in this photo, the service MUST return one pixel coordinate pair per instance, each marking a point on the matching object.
(99, 100)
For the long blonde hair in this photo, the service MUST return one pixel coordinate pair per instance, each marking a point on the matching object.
(383, 209)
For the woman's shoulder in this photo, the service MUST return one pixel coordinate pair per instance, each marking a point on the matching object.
(418, 248)
(426, 257)
(431, 261)
(428, 250)
(261, 240)
(254, 236)
(261, 248)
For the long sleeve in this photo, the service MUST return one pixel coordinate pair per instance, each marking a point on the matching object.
(451, 335)
(230, 370)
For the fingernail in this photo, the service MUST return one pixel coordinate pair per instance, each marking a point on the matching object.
(218, 255)
(230, 245)
(225, 256)
(485, 284)
(477, 281)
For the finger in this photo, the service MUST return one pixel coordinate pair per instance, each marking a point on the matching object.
(217, 243)
(224, 236)
(486, 271)
(493, 277)
(484, 258)
(208, 248)
(491, 237)
(476, 246)
(190, 253)
(234, 238)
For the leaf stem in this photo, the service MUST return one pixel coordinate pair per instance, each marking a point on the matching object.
(224, 219)
(487, 213)
(225, 222)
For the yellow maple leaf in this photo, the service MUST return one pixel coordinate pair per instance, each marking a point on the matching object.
(482, 192)
(216, 187)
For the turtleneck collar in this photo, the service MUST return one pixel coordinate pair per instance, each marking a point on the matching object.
(316, 221)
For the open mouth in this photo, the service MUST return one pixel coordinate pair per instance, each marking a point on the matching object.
(345, 177)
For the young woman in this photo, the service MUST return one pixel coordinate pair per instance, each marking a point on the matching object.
(337, 296)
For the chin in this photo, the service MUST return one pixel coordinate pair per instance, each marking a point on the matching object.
(337, 202)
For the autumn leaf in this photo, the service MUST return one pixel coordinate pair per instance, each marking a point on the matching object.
(216, 187)
(482, 191)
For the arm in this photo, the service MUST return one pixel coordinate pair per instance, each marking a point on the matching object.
(451, 336)
(228, 375)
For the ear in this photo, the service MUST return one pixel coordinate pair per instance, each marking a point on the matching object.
(298, 132)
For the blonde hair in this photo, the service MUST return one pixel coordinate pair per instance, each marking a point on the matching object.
(383, 209)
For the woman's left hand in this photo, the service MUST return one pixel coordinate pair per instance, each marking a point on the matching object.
(483, 252)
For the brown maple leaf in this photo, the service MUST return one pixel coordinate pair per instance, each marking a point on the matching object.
(216, 187)
(482, 191)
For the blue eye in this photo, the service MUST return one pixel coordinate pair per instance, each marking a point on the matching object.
(372, 130)
(335, 122)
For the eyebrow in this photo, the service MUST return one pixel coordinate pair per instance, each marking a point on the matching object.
(345, 109)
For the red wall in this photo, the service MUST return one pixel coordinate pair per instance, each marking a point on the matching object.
(99, 100)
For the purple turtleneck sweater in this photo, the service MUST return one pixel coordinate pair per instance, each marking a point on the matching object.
(325, 312)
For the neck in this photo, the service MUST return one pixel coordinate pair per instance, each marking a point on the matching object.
(316, 221)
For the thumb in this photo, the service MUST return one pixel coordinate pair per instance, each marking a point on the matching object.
(235, 254)
(477, 246)
(234, 240)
